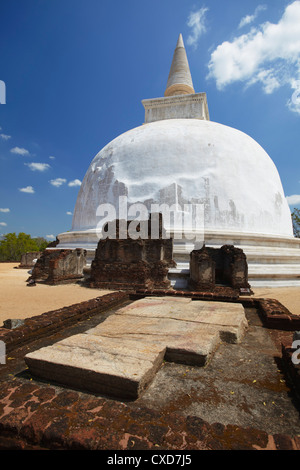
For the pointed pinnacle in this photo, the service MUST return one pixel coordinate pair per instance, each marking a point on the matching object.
(180, 79)
(180, 41)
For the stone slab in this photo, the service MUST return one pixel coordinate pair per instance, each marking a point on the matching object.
(161, 314)
(185, 343)
(99, 364)
(121, 355)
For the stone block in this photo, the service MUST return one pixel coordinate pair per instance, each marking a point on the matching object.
(185, 343)
(99, 364)
(130, 264)
(202, 270)
(59, 266)
(176, 107)
(12, 323)
(226, 266)
(29, 259)
(121, 355)
(165, 316)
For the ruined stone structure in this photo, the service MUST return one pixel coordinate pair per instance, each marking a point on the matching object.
(130, 264)
(202, 270)
(210, 266)
(59, 266)
(28, 259)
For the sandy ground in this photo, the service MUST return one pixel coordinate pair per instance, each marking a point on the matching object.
(288, 296)
(18, 301)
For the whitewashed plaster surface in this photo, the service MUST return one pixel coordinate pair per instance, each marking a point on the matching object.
(188, 161)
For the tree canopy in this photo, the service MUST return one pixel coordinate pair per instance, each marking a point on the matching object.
(13, 246)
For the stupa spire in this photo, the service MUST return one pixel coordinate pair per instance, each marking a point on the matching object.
(180, 79)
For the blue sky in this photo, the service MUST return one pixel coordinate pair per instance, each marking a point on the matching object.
(76, 71)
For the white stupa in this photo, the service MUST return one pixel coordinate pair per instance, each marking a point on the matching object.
(178, 156)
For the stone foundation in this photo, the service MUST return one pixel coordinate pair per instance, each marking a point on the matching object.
(120, 356)
(226, 266)
(273, 261)
(28, 259)
(129, 264)
(59, 266)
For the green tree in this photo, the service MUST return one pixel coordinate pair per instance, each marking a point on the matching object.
(296, 222)
(12, 246)
(41, 243)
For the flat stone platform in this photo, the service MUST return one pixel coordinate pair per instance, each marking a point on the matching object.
(120, 356)
(243, 399)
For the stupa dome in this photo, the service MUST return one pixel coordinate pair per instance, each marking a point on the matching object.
(179, 159)
(188, 161)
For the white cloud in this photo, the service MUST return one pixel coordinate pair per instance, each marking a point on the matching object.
(38, 166)
(196, 21)
(294, 102)
(58, 182)
(250, 18)
(4, 209)
(27, 189)
(293, 200)
(3, 224)
(75, 183)
(51, 157)
(50, 237)
(19, 151)
(69, 213)
(5, 136)
(268, 54)
(267, 79)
